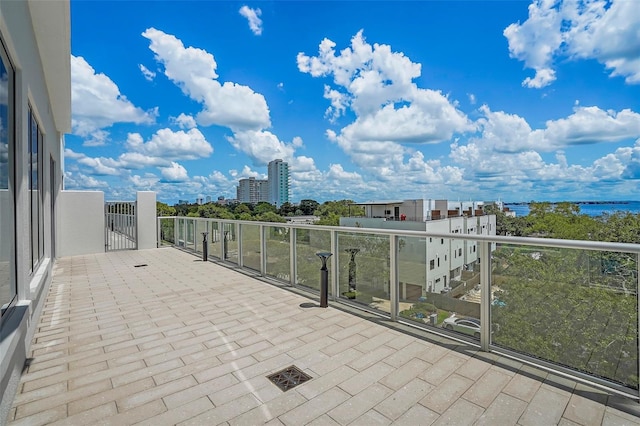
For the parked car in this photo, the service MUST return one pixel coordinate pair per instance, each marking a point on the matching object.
(470, 326)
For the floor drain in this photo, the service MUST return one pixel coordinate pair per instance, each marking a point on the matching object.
(288, 378)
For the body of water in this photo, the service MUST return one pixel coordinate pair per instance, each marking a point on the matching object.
(588, 208)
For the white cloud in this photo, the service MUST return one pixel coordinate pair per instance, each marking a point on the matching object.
(174, 173)
(502, 132)
(246, 172)
(589, 125)
(147, 182)
(604, 30)
(337, 172)
(472, 98)
(147, 74)
(97, 102)
(97, 138)
(253, 16)
(136, 160)
(82, 181)
(172, 145)
(185, 121)
(377, 84)
(100, 166)
(194, 71)
(262, 146)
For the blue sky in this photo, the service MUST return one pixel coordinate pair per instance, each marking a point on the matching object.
(514, 100)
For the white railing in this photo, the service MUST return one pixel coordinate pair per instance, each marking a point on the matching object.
(121, 232)
(567, 306)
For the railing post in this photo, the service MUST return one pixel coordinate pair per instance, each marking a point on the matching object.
(393, 276)
(485, 295)
(263, 251)
(334, 266)
(239, 236)
(293, 261)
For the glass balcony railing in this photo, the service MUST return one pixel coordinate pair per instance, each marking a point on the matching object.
(568, 306)
(251, 251)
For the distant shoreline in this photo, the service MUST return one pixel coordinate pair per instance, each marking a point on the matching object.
(526, 203)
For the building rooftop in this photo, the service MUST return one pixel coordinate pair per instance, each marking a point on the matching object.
(160, 337)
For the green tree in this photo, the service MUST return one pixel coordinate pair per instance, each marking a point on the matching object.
(264, 207)
(241, 208)
(214, 211)
(163, 209)
(620, 227)
(308, 207)
(270, 217)
(287, 209)
(330, 212)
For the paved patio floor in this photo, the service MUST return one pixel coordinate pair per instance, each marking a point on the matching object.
(158, 337)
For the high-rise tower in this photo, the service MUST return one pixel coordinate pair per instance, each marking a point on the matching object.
(278, 182)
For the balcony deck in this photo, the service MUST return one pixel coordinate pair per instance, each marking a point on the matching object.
(181, 341)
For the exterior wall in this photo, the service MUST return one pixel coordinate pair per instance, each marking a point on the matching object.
(471, 252)
(81, 223)
(381, 223)
(36, 37)
(437, 256)
(146, 218)
(456, 248)
(413, 210)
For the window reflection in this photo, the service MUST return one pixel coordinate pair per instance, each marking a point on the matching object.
(7, 234)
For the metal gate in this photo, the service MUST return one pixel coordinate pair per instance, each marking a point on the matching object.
(121, 231)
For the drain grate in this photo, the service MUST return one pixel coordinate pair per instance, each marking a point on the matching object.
(288, 378)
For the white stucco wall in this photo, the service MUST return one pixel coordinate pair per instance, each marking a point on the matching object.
(80, 217)
(146, 217)
(36, 36)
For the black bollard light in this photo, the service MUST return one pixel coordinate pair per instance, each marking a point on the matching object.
(224, 245)
(324, 278)
(205, 247)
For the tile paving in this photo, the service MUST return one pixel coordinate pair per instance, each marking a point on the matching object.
(181, 341)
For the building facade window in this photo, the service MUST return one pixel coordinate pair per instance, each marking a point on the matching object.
(8, 285)
(36, 228)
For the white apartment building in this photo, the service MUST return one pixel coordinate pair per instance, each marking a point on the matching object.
(445, 258)
(252, 190)
(278, 178)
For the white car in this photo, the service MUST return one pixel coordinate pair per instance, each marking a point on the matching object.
(470, 326)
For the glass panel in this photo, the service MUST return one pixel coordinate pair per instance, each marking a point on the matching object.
(251, 246)
(215, 249)
(33, 188)
(201, 226)
(278, 253)
(190, 234)
(572, 307)
(230, 242)
(308, 243)
(167, 227)
(40, 197)
(7, 232)
(363, 269)
(181, 237)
